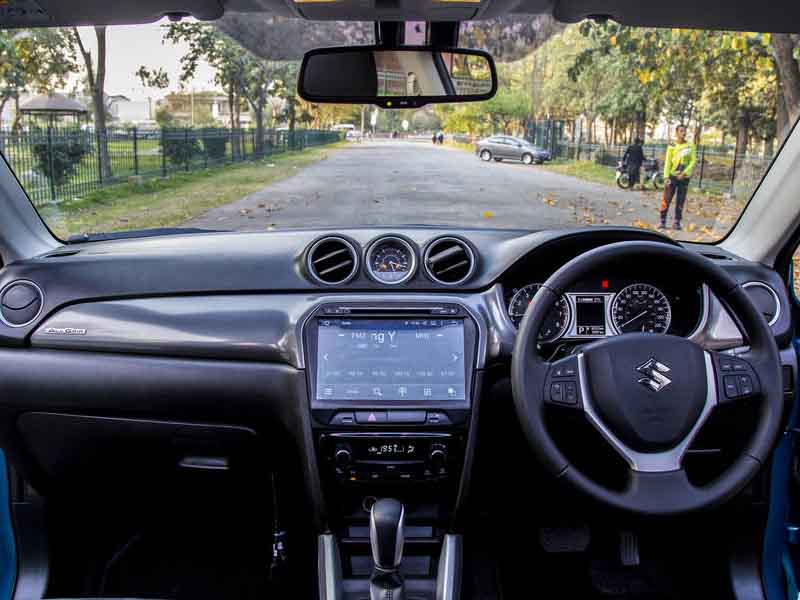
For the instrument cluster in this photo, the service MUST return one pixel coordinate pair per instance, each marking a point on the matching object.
(603, 307)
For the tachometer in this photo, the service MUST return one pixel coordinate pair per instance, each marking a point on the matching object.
(556, 321)
(641, 307)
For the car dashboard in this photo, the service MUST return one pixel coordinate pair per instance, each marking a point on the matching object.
(365, 353)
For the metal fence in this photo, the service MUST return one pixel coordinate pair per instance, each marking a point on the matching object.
(717, 170)
(55, 164)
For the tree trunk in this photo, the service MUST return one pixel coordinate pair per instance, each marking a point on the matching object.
(2, 108)
(97, 83)
(232, 120)
(698, 133)
(782, 123)
(16, 124)
(742, 137)
(789, 72)
(641, 122)
(259, 149)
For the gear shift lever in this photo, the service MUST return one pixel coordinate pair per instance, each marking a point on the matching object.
(386, 538)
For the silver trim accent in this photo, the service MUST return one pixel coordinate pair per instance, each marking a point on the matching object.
(697, 334)
(459, 241)
(449, 567)
(649, 462)
(371, 248)
(572, 331)
(38, 312)
(775, 297)
(329, 570)
(399, 537)
(328, 238)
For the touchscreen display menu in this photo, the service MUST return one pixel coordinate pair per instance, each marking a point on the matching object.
(398, 359)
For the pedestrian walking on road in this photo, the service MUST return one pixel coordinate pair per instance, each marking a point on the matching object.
(678, 165)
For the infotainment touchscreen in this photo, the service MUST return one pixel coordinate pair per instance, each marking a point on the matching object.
(397, 359)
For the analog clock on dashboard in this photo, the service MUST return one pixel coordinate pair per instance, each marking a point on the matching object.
(391, 260)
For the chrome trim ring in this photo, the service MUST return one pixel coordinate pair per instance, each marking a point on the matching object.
(775, 297)
(391, 238)
(470, 255)
(38, 312)
(311, 271)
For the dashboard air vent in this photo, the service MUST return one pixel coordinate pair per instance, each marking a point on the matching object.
(20, 303)
(449, 261)
(332, 260)
(765, 298)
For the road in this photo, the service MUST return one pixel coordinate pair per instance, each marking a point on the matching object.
(397, 182)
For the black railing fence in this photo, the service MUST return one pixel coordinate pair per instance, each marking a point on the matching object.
(54, 164)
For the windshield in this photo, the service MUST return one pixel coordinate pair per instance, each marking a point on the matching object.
(199, 127)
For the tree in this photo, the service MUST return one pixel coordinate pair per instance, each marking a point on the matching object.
(96, 78)
(34, 60)
(784, 48)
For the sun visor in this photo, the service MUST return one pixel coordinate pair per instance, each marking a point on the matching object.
(57, 13)
(775, 16)
(389, 10)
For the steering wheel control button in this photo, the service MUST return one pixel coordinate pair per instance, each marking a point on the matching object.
(557, 392)
(745, 385)
(566, 368)
(570, 392)
(731, 383)
(737, 378)
(372, 417)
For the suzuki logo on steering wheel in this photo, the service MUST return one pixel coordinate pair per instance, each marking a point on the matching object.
(654, 377)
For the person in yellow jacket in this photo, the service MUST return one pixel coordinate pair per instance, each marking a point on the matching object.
(678, 167)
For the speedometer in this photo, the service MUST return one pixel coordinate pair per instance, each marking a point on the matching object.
(556, 321)
(641, 307)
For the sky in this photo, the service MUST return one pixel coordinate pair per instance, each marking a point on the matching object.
(128, 47)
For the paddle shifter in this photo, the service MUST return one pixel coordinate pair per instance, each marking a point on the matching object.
(386, 538)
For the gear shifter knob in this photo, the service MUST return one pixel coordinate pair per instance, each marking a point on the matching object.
(386, 533)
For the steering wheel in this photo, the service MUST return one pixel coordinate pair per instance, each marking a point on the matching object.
(649, 394)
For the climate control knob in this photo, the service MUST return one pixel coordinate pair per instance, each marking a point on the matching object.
(437, 455)
(343, 455)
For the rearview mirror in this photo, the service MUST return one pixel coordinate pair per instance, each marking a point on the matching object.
(406, 77)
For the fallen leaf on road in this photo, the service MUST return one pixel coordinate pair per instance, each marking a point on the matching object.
(641, 224)
(549, 201)
(487, 214)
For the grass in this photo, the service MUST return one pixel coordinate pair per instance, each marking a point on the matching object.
(582, 169)
(173, 200)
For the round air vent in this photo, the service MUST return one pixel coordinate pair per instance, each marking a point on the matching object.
(449, 260)
(20, 303)
(332, 260)
(765, 298)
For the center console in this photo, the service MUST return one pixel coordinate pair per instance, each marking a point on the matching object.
(392, 389)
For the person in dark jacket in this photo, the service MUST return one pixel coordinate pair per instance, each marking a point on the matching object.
(633, 159)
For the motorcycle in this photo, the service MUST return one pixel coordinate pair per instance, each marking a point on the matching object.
(623, 177)
(652, 174)
(653, 177)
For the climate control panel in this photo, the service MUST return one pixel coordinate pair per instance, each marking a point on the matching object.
(353, 458)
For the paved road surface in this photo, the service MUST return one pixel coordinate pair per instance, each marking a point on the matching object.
(396, 182)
